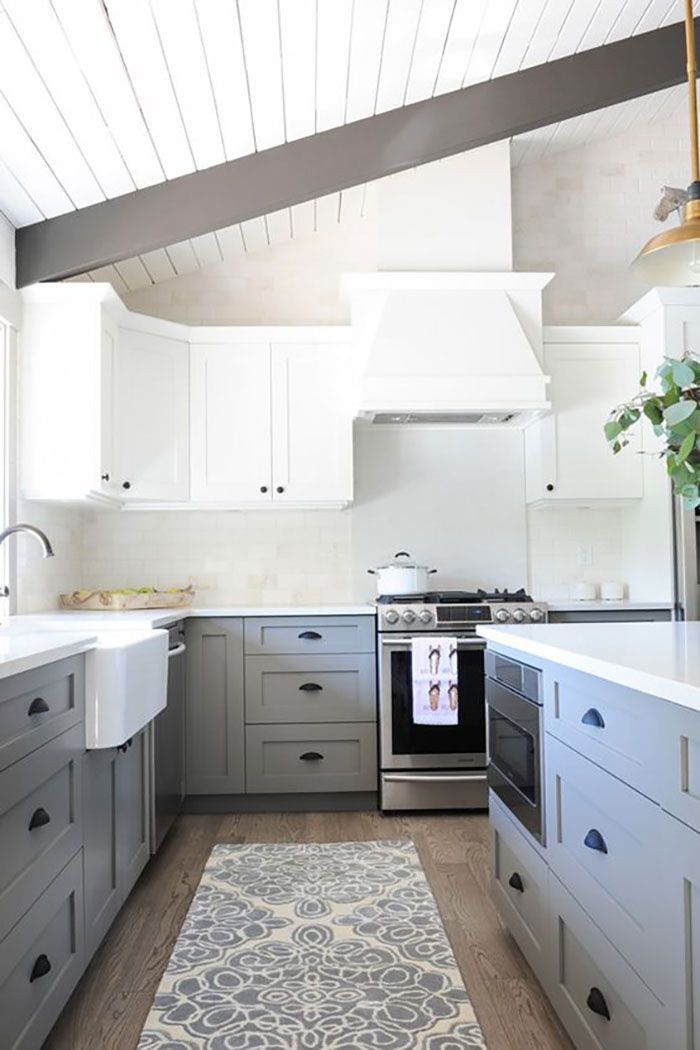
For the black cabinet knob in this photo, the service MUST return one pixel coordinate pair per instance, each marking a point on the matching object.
(516, 882)
(41, 967)
(280, 488)
(126, 484)
(594, 840)
(38, 706)
(105, 477)
(310, 756)
(263, 488)
(550, 487)
(311, 636)
(39, 818)
(597, 1004)
(122, 748)
(593, 717)
(310, 687)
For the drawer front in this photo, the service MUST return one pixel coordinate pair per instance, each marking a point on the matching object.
(519, 886)
(679, 758)
(605, 843)
(298, 634)
(310, 688)
(615, 727)
(38, 705)
(283, 758)
(591, 978)
(41, 961)
(41, 815)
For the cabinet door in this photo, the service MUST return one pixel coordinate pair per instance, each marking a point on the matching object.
(682, 950)
(132, 812)
(567, 454)
(151, 417)
(104, 480)
(102, 890)
(311, 424)
(214, 718)
(230, 423)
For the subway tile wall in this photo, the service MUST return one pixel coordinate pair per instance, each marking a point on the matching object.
(567, 546)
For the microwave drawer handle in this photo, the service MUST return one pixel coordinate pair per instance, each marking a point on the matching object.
(432, 778)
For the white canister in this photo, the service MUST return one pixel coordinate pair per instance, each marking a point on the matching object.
(585, 592)
(612, 591)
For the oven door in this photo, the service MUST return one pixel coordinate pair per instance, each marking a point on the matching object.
(405, 745)
(515, 755)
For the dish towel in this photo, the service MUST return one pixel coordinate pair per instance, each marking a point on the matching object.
(435, 685)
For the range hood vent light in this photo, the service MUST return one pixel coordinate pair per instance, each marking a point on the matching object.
(463, 418)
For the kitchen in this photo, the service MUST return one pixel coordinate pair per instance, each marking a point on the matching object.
(339, 458)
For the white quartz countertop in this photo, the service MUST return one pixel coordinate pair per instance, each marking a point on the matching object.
(662, 659)
(145, 618)
(24, 652)
(598, 605)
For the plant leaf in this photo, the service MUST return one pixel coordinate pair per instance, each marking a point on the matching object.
(653, 411)
(687, 447)
(683, 374)
(678, 411)
(611, 429)
(643, 379)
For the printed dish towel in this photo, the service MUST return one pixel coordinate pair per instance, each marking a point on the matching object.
(435, 684)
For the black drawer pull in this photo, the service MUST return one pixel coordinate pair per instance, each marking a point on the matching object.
(597, 1004)
(38, 706)
(594, 840)
(310, 756)
(41, 967)
(311, 687)
(311, 636)
(593, 718)
(39, 818)
(516, 883)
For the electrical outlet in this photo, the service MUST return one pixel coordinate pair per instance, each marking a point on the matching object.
(585, 555)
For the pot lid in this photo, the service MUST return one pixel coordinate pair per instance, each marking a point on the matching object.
(402, 560)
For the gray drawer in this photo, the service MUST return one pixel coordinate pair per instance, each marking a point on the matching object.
(307, 634)
(275, 759)
(52, 931)
(45, 784)
(55, 697)
(310, 688)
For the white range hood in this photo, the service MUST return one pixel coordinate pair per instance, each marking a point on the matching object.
(449, 347)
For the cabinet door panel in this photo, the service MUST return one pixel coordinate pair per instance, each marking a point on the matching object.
(132, 799)
(311, 424)
(230, 421)
(102, 897)
(214, 708)
(151, 417)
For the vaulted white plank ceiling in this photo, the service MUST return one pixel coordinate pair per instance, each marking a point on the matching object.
(102, 97)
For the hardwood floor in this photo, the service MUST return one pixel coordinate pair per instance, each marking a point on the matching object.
(110, 1004)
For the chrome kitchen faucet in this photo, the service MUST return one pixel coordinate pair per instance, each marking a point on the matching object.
(31, 530)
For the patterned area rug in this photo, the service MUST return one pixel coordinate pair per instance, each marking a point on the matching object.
(312, 947)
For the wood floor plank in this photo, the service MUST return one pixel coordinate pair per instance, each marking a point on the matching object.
(110, 1005)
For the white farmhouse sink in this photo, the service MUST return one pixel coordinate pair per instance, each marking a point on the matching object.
(126, 684)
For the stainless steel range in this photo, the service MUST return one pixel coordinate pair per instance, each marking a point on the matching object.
(438, 766)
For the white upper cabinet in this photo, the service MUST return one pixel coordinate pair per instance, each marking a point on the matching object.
(231, 423)
(67, 350)
(150, 417)
(566, 455)
(311, 423)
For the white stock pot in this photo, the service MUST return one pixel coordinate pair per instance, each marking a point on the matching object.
(402, 576)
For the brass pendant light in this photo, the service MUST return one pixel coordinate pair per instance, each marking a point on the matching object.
(673, 257)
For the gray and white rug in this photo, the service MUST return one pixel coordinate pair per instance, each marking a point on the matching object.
(312, 947)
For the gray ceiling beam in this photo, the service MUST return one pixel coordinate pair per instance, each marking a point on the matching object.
(348, 156)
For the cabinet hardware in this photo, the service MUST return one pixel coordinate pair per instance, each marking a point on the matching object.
(550, 487)
(310, 756)
(39, 818)
(310, 687)
(280, 489)
(41, 967)
(597, 1004)
(594, 840)
(516, 882)
(593, 717)
(38, 706)
(311, 636)
(263, 488)
(105, 477)
(126, 484)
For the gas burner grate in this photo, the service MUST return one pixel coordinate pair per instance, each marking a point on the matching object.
(455, 597)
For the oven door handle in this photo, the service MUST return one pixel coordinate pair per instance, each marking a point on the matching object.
(431, 778)
(462, 643)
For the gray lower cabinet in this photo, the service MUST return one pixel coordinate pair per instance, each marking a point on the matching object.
(298, 758)
(38, 705)
(335, 688)
(116, 844)
(214, 708)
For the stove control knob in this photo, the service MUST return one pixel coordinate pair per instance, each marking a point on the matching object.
(537, 616)
(408, 616)
(502, 615)
(425, 616)
(518, 615)
(391, 616)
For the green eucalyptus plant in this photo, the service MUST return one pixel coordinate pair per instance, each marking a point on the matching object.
(674, 413)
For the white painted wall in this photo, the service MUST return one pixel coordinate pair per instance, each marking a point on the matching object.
(40, 581)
